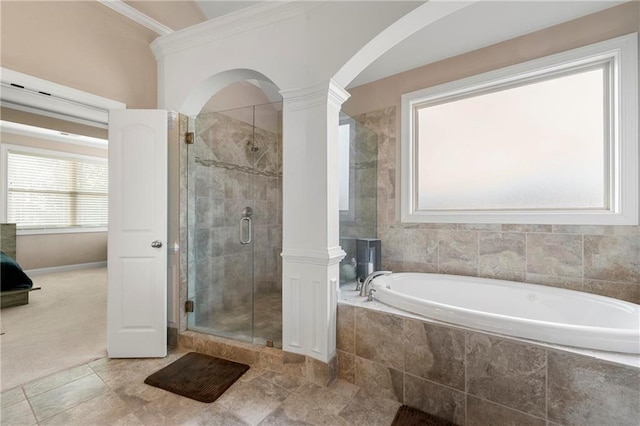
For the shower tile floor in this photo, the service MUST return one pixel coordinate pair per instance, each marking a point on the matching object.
(112, 392)
(235, 322)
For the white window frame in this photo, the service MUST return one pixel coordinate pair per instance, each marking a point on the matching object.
(624, 189)
(4, 158)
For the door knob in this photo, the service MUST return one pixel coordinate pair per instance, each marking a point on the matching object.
(156, 244)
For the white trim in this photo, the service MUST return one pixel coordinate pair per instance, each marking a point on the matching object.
(58, 101)
(137, 16)
(47, 231)
(625, 192)
(18, 107)
(51, 135)
(230, 25)
(330, 257)
(64, 268)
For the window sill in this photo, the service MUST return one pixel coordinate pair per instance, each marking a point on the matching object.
(45, 231)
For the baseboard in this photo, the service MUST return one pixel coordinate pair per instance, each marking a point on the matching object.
(63, 268)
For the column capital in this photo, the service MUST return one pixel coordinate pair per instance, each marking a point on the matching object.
(329, 92)
(331, 256)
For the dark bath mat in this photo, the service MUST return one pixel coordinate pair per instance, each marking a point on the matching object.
(197, 376)
(409, 416)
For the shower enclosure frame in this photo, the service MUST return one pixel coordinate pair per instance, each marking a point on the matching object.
(254, 229)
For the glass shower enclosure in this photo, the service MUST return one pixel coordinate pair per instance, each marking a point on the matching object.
(235, 224)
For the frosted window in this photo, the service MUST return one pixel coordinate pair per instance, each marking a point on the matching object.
(537, 146)
(553, 140)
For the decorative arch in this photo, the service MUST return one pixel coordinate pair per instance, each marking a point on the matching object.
(417, 19)
(213, 84)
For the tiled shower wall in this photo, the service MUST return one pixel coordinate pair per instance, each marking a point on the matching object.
(598, 259)
(474, 378)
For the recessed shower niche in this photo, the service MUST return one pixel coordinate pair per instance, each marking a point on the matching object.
(235, 223)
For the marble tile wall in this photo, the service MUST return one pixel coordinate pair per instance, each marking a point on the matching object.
(474, 378)
(603, 260)
(360, 220)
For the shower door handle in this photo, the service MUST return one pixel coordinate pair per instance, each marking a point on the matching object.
(246, 240)
(247, 212)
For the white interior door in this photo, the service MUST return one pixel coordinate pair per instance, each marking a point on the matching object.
(137, 259)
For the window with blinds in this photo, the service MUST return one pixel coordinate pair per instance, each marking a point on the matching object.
(53, 190)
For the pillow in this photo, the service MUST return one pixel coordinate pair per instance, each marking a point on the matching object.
(11, 275)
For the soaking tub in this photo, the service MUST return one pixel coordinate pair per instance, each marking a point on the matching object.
(530, 311)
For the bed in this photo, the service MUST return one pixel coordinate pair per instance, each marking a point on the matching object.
(15, 285)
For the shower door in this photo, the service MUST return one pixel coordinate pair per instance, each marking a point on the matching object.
(235, 232)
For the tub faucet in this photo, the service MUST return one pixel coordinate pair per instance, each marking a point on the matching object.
(364, 290)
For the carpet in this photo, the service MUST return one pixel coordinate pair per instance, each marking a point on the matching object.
(409, 416)
(63, 326)
(197, 376)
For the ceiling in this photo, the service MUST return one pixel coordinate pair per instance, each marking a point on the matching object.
(479, 25)
(214, 8)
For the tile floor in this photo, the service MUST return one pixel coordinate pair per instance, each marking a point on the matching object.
(112, 392)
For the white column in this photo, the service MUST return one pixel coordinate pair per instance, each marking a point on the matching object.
(311, 251)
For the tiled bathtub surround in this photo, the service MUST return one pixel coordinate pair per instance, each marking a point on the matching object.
(475, 378)
(598, 259)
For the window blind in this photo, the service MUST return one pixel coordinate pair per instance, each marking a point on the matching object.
(56, 191)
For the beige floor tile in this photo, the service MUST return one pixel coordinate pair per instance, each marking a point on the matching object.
(365, 409)
(102, 410)
(215, 415)
(169, 409)
(296, 410)
(128, 420)
(253, 401)
(62, 398)
(333, 398)
(12, 396)
(138, 394)
(286, 381)
(17, 415)
(55, 380)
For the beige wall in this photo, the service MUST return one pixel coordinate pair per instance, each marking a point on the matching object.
(45, 251)
(80, 44)
(89, 47)
(597, 259)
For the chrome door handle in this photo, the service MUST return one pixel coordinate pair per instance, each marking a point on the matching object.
(156, 244)
(246, 240)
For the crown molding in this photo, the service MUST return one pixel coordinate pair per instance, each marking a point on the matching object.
(230, 25)
(137, 16)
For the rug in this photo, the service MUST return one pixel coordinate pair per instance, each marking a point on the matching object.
(409, 416)
(197, 376)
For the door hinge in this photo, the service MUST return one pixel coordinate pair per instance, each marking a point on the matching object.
(188, 306)
(189, 138)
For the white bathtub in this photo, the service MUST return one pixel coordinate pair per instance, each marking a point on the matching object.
(530, 311)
